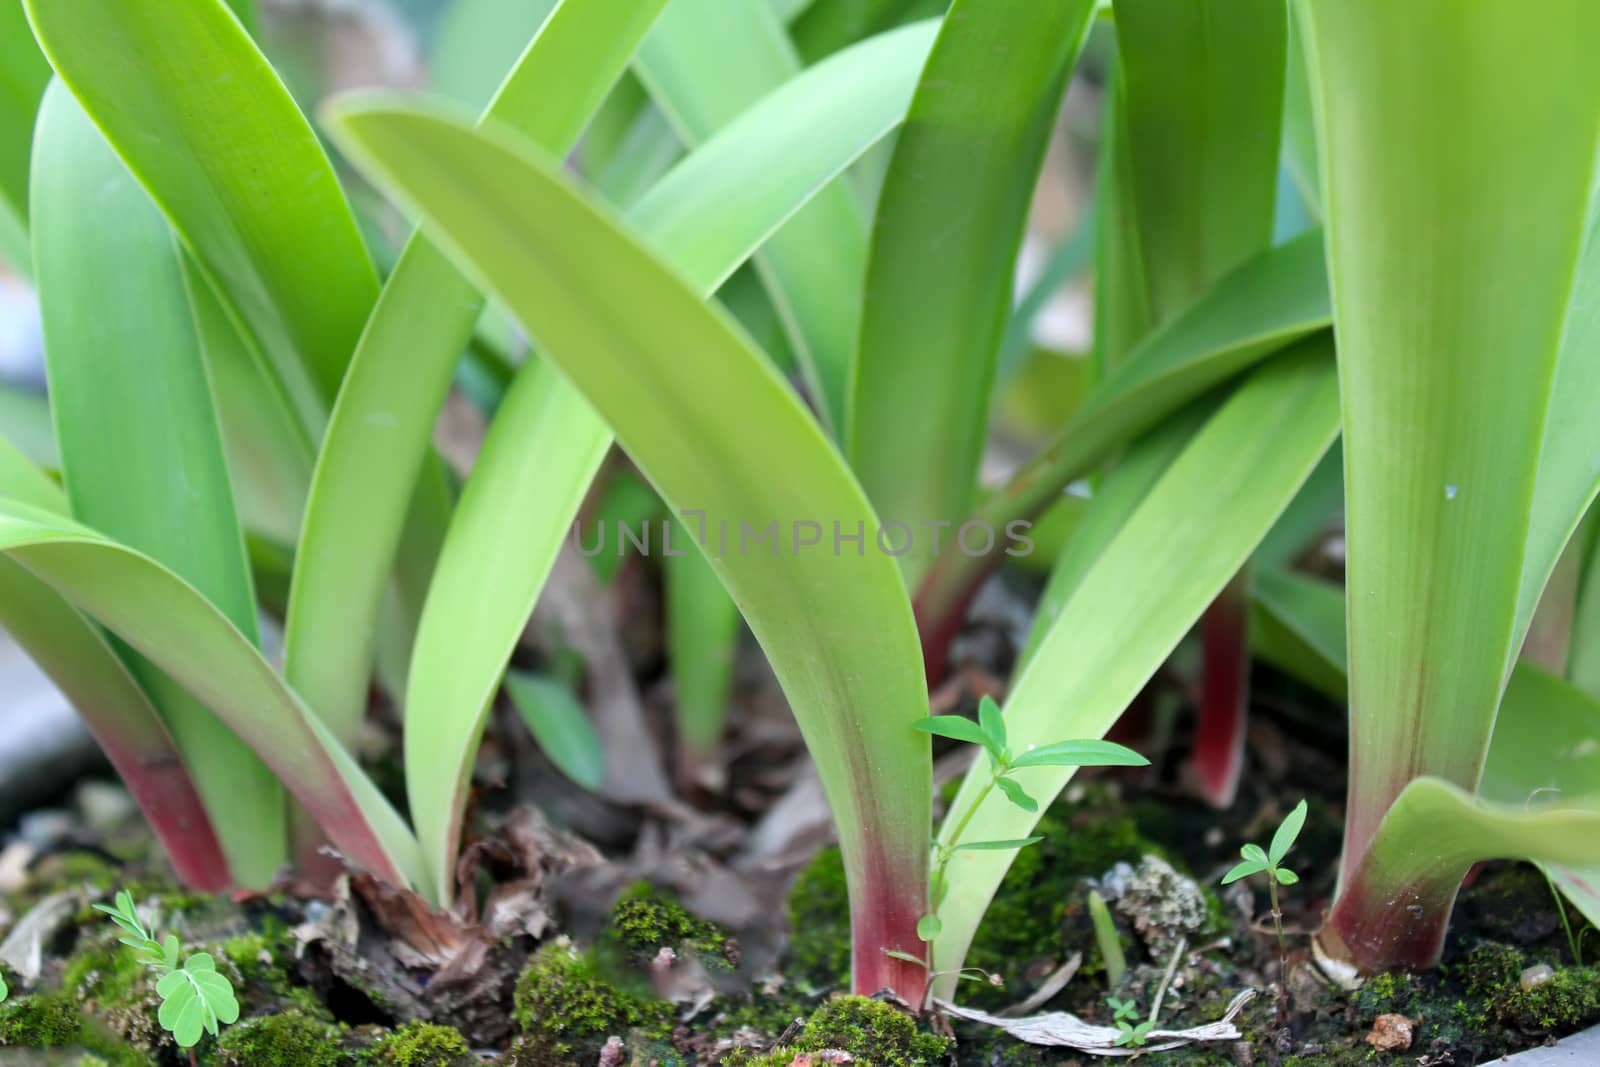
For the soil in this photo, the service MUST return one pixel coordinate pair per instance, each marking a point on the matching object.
(577, 936)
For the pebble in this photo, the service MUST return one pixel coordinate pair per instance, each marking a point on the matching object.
(1537, 976)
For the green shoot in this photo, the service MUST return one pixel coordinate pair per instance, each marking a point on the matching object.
(1105, 936)
(1130, 1032)
(195, 998)
(5, 990)
(989, 732)
(1269, 862)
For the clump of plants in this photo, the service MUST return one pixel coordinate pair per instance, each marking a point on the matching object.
(565, 1009)
(869, 1030)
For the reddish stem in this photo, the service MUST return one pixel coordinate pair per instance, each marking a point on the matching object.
(884, 910)
(1218, 757)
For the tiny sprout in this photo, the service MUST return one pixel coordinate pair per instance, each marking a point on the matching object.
(1129, 1033)
(195, 998)
(1269, 862)
(989, 732)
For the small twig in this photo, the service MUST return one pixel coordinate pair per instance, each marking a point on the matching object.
(1166, 979)
(1052, 985)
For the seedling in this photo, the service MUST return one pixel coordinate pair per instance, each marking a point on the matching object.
(195, 998)
(1269, 862)
(1130, 1033)
(990, 732)
(1106, 937)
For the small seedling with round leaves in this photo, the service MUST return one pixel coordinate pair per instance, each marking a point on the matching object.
(1128, 1031)
(1269, 861)
(195, 997)
(989, 732)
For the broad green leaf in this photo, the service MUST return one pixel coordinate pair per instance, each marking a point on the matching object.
(687, 396)
(1254, 853)
(1309, 517)
(707, 61)
(379, 436)
(1081, 754)
(1285, 876)
(140, 447)
(928, 927)
(1277, 298)
(25, 423)
(1243, 870)
(1569, 476)
(1195, 528)
(478, 41)
(1544, 749)
(943, 258)
(560, 725)
(89, 673)
(954, 727)
(1429, 838)
(702, 639)
(1447, 362)
(1203, 90)
(1283, 840)
(23, 77)
(546, 441)
(204, 122)
(1122, 313)
(1119, 492)
(163, 618)
(1299, 626)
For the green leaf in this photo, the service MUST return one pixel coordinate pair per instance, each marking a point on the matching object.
(928, 927)
(896, 954)
(686, 395)
(1299, 627)
(1543, 750)
(1081, 754)
(993, 725)
(1277, 298)
(1203, 85)
(1194, 529)
(1017, 795)
(998, 846)
(1447, 364)
(702, 639)
(1255, 854)
(23, 77)
(140, 447)
(1285, 876)
(164, 619)
(954, 727)
(1242, 870)
(379, 436)
(707, 61)
(478, 40)
(560, 725)
(1288, 830)
(203, 121)
(941, 271)
(546, 441)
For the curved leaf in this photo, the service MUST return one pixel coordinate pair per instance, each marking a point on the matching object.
(1200, 521)
(23, 77)
(140, 448)
(546, 441)
(205, 123)
(163, 618)
(380, 431)
(688, 397)
(706, 62)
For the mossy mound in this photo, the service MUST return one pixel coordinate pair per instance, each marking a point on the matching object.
(871, 1031)
(288, 1039)
(566, 1011)
(421, 1045)
(38, 1021)
(646, 920)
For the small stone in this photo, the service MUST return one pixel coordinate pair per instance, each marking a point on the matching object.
(817, 1059)
(1391, 1033)
(613, 1053)
(1537, 976)
(1161, 904)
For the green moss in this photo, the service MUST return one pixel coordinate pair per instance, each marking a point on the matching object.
(566, 1011)
(421, 1045)
(289, 1039)
(819, 926)
(38, 1021)
(870, 1030)
(1395, 993)
(645, 921)
(1568, 1000)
